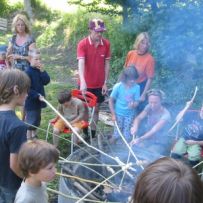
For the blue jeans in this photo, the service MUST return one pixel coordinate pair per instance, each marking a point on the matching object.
(6, 195)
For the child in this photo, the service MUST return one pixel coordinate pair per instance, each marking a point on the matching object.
(123, 102)
(3, 62)
(168, 181)
(191, 139)
(73, 110)
(14, 85)
(37, 160)
(33, 104)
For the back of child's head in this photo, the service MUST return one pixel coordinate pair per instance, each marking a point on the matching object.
(129, 73)
(35, 155)
(64, 96)
(168, 181)
(12, 83)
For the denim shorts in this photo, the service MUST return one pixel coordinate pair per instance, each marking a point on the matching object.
(33, 118)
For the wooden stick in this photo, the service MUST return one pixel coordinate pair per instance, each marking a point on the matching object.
(76, 198)
(76, 133)
(182, 112)
(82, 179)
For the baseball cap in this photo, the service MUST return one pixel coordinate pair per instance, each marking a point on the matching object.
(97, 25)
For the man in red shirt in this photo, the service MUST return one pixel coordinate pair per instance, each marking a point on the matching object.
(93, 54)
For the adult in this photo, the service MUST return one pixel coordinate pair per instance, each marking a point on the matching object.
(191, 138)
(20, 43)
(93, 54)
(168, 181)
(153, 123)
(144, 63)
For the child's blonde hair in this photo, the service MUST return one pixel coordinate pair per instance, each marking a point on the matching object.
(10, 79)
(33, 52)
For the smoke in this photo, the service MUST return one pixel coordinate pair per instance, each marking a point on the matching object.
(177, 45)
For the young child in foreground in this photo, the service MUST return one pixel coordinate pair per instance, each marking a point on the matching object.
(33, 104)
(168, 181)
(73, 111)
(14, 85)
(123, 102)
(37, 160)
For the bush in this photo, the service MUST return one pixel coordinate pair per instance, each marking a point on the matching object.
(6, 9)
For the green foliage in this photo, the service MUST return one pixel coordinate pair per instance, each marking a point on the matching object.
(42, 12)
(46, 38)
(6, 9)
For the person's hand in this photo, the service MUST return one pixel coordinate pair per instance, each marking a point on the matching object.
(133, 130)
(104, 89)
(41, 98)
(40, 66)
(83, 86)
(113, 117)
(17, 56)
(132, 104)
(191, 142)
(11, 57)
(142, 97)
(135, 141)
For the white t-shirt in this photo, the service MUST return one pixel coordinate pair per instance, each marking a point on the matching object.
(31, 194)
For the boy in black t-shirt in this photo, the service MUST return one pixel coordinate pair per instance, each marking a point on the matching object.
(14, 85)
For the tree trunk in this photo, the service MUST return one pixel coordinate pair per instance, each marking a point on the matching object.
(28, 9)
(125, 15)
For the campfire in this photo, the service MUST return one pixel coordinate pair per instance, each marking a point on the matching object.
(114, 180)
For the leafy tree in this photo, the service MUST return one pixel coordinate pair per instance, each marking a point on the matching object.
(131, 10)
(28, 9)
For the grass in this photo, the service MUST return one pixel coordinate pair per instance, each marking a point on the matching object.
(60, 79)
(60, 63)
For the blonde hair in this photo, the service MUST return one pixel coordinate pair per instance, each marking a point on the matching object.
(33, 52)
(24, 19)
(139, 38)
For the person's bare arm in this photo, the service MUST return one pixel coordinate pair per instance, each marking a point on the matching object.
(8, 55)
(81, 70)
(14, 166)
(107, 68)
(147, 87)
(193, 142)
(111, 107)
(137, 121)
(153, 130)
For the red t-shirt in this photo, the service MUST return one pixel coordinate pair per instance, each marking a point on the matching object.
(143, 63)
(2, 64)
(95, 57)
